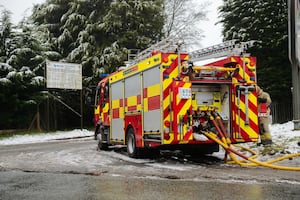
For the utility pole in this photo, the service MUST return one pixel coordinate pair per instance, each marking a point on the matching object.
(81, 110)
(294, 56)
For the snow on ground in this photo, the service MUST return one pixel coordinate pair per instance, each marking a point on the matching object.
(45, 137)
(283, 134)
(284, 137)
(285, 141)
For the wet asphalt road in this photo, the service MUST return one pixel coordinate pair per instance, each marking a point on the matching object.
(36, 186)
(75, 170)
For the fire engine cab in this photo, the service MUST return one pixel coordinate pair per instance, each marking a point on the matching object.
(167, 98)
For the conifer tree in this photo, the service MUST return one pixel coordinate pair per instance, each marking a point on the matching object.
(21, 74)
(267, 22)
(5, 34)
(96, 34)
(99, 33)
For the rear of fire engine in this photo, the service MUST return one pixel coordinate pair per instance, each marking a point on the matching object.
(167, 101)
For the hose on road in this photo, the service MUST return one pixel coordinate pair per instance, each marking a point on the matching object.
(247, 161)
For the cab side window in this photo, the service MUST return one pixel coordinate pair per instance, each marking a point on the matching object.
(104, 94)
(97, 96)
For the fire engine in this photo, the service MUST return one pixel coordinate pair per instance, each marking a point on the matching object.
(166, 98)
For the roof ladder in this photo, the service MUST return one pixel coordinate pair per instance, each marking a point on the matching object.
(168, 44)
(227, 48)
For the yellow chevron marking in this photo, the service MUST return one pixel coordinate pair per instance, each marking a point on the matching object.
(252, 99)
(241, 73)
(247, 129)
(251, 114)
(166, 102)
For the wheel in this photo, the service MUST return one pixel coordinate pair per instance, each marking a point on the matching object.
(102, 140)
(132, 150)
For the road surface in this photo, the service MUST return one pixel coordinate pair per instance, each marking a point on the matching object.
(74, 169)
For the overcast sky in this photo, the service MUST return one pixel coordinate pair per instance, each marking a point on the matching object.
(212, 32)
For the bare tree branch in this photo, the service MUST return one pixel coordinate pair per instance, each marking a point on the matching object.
(182, 19)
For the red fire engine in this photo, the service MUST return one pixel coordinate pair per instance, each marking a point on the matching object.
(166, 100)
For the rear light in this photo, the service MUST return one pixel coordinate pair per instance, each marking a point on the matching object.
(154, 53)
(167, 130)
(167, 124)
(166, 136)
(165, 59)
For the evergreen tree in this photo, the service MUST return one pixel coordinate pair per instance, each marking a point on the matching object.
(96, 34)
(21, 75)
(130, 25)
(5, 34)
(99, 33)
(265, 21)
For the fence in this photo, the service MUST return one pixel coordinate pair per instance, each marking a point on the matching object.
(281, 112)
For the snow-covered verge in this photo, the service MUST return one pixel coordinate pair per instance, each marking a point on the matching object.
(45, 137)
(284, 137)
(285, 141)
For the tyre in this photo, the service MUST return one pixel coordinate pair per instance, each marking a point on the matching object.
(132, 150)
(102, 140)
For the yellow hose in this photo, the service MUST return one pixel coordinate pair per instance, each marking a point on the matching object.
(251, 160)
(254, 155)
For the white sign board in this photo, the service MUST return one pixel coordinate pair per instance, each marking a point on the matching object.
(64, 75)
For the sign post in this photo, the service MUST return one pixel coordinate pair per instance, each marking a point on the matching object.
(65, 76)
(294, 56)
